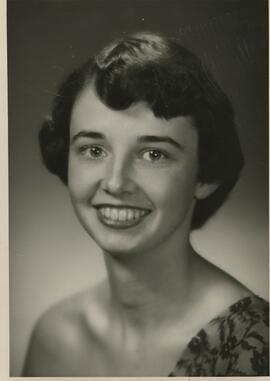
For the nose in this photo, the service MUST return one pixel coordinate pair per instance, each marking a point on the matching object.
(117, 178)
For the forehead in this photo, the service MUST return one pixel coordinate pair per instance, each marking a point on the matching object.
(90, 113)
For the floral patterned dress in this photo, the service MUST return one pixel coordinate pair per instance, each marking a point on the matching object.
(235, 343)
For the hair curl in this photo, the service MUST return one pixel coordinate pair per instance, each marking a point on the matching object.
(173, 82)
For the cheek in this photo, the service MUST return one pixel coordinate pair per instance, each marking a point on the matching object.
(75, 183)
(81, 181)
(172, 189)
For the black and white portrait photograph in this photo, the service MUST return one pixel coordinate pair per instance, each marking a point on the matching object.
(138, 188)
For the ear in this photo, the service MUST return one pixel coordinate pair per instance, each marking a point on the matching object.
(204, 190)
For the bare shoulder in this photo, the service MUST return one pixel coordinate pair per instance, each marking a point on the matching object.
(216, 287)
(61, 334)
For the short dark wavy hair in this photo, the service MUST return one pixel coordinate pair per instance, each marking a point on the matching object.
(157, 70)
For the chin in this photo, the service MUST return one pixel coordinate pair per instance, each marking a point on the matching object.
(118, 245)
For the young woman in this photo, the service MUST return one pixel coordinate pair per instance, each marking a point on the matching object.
(145, 141)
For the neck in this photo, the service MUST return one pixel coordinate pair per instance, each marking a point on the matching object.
(150, 289)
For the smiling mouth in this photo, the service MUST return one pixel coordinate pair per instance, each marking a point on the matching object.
(121, 217)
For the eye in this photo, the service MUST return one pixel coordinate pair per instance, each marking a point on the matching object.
(93, 152)
(154, 155)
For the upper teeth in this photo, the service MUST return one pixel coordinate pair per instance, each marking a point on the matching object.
(122, 214)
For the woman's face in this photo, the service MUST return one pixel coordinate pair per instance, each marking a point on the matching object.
(131, 176)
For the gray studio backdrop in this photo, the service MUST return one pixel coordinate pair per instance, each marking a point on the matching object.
(50, 255)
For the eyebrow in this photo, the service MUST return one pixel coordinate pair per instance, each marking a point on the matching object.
(142, 139)
(160, 139)
(88, 134)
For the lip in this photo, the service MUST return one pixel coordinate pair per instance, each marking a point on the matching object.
(121, 216)
(128, 206)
